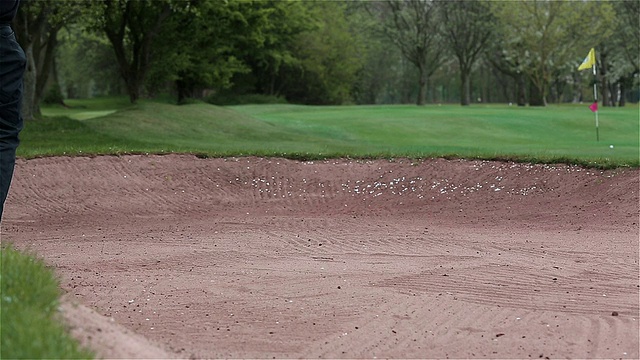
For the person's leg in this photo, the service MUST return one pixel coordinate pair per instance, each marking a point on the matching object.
(12, 66)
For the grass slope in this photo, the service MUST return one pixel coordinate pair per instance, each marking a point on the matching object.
(30, 328)
(564, 133)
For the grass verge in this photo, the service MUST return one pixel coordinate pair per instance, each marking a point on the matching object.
(30, 326)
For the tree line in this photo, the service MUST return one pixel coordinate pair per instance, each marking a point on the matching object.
(330, 52)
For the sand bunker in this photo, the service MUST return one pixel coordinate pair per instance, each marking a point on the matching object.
(176, 256)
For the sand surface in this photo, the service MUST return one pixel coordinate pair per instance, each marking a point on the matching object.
(179, 257)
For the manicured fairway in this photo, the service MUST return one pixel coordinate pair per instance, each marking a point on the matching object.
(558, 133)
(486, 131)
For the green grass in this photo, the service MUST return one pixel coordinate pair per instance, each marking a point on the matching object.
(30, 326)
(557, 133)
(563, 133)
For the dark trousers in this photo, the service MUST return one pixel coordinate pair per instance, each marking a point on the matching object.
(12, 67)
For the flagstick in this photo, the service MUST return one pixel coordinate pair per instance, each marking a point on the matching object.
(595, 98)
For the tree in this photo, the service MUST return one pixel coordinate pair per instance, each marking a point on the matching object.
(414, 27)
(37, 24)
(385, 75)
(542, 35)
(306, 51)
(506, 63)
(202, 47)
(624, 55)
(29, 25)
(468, 25)
(269, 63)
(380, 77)
(329, 57)
(132, 26)
(627, 34)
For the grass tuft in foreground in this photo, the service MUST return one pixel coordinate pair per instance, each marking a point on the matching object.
(30, 326)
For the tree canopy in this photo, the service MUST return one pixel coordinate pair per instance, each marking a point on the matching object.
(330, 52)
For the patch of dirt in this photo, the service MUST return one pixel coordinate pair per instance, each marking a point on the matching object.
(176, 256)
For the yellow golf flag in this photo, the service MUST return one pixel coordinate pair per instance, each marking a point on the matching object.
(589, 61)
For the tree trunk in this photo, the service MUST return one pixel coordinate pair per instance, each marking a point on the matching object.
(56, 81)
(577, 88)
(127, 71)
(29, 25)
(29, 107)
(465, 88)
(184, 89)
(521, 94)
(626, 82)
(180, 90)
(46, 64)
(536, 97)
(604, 87)
(613, 93)
(623, 95)
(422, 85)
(133, 89)
(133, 70)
